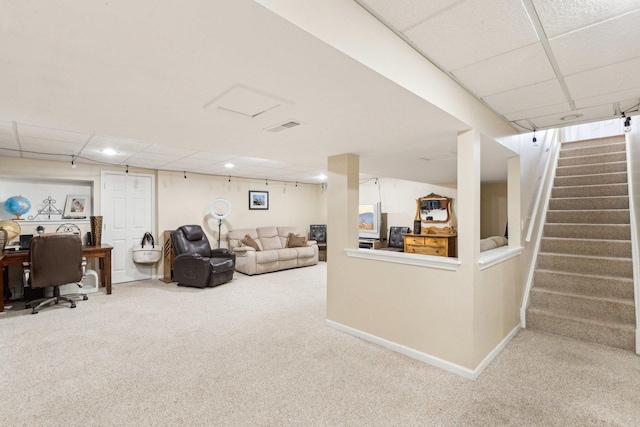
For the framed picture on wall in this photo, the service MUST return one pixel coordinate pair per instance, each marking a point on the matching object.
(76, 207)
(258, 200)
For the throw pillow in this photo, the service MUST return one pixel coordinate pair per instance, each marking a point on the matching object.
(248, 241)
(296, 241)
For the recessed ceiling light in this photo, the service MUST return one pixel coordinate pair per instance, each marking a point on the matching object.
(322, 176)
(571, 117)
(109, 152)
(229, 165)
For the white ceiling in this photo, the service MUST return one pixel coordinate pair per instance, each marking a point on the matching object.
(192, 85)
(534, 62)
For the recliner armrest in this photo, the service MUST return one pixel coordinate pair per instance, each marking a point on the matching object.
(191, 269)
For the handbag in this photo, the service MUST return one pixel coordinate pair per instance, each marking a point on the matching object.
(149, 254)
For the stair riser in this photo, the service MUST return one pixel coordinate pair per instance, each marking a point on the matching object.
(590, 160)
(572, 181)
(582, 203)
(605, 287)
(616, 337)
(592, 169)
(573, 305)
(566, 152)
(614, 267)
(586, 231)
(589, 217)
(590, 191)
(592, 142)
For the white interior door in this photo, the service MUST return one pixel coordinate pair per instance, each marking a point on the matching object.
(128, 213)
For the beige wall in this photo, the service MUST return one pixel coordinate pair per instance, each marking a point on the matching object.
(186, 201)
(493, 209)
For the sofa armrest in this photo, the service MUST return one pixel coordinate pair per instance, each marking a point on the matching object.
(311, 242)
(242, 250)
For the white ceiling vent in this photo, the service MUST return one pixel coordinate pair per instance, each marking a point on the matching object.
(284, 126)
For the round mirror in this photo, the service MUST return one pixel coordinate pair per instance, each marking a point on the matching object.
(215, 208)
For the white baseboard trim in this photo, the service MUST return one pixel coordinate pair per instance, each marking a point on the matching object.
(464, 372)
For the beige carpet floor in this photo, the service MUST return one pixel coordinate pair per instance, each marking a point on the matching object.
(256, 351)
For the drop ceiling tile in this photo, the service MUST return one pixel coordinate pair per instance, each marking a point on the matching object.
(149, 163)
(588, 114)
(6, 128)
(473, 31)
(558, 17)
(217, 169)
(9, 153)
(48, 146)
(591, 47)
(8, 141)
(630, 105)
(40, 132)
(176, 153)
(539, 112)
(608, 98)
(518, 68)
(188, 163)
(601, 81)
(406, 13)
(527, 98)
(212, 157)
(51, 157)
(124, 148)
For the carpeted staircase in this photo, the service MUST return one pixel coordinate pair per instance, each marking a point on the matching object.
(583, 281)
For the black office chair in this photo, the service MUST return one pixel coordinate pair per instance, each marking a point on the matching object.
(54, 259)
(195, 263)
(396, 239)
(318, 232)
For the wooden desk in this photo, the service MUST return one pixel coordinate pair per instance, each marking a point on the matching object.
(102, 252)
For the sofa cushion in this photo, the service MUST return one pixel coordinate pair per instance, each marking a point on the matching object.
(269, 238)
(266, 257)
(296, 241)
(306, 252)
(287, 254)
(248, 241)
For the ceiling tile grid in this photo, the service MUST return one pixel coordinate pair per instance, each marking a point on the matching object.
(528, 97)
(511, 70)
(404, 14)
(473, 31)
(560, 17)
(591, 47)
(612, 78)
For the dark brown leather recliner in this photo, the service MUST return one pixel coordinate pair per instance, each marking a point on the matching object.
(195, 264)
(54, 259)
(396, 239)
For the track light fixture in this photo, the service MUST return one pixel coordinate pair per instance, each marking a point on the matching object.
(627, 123)
(73, 161)
(185, 174)
(296, 184)
(535, 140)
(376, 182)
(127, 171)
(266, 182)
(229, 178)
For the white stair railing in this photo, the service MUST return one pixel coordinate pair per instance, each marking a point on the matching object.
(538, 216)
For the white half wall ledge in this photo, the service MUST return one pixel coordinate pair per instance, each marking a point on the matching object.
(496, 256)
(427, 261)
(471, 374)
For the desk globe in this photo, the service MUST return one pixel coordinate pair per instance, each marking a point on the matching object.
(17, 205)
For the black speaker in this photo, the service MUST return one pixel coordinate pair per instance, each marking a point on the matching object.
(89, 239)
(417, 224)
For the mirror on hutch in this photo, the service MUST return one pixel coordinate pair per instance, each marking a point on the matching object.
(436, 225)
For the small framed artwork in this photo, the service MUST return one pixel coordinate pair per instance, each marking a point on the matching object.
(259, 200)
(76, 207)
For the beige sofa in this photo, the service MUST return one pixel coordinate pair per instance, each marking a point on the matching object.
(274, 254)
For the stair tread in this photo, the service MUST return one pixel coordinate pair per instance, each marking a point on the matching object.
(568, 273)
(599, 241)
(590, 210)
(589, 197)
(631, 327)
(618, 184)
(624, 301)
(598, 257)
